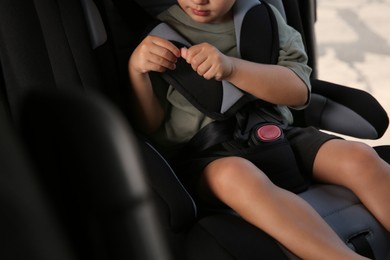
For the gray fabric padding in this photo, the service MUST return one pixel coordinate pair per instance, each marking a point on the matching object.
(332, 116)
(164, 30)
(343, 211)
(95, 24)
(279, 5)
(231, 95)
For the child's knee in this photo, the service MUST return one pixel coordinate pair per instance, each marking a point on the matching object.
(230, 173)
(361, 164)
(361, 156)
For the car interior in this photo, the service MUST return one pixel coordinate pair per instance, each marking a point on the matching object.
(79, 181)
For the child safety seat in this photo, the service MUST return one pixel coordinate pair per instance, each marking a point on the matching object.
(335, 204)
(258, 134)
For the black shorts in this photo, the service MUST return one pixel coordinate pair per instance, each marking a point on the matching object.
(304, 143)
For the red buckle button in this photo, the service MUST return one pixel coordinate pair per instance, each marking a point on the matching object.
(268, 133)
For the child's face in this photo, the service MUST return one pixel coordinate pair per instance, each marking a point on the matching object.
(208, 11)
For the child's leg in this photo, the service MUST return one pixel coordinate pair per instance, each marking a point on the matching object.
(357, 167)
(280, 213)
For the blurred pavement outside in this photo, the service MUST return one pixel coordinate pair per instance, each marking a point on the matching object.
(353, 38)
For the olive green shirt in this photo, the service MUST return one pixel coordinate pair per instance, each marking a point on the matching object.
(183, 120)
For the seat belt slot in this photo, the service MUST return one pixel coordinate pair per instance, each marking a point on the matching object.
(361, 245)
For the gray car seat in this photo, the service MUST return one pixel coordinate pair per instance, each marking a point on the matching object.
(330, 106)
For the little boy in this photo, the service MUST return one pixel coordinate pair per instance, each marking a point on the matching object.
(171, 121)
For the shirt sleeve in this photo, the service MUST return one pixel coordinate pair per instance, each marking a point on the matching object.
(292, 52)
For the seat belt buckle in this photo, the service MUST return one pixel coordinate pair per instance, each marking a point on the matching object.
(265, 133)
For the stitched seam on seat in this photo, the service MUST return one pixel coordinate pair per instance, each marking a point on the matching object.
(341, 209)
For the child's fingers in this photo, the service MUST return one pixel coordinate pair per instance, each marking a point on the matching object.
(167, 45)
(164, 54)
(183, 52)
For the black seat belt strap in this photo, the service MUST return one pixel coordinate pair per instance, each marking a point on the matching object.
(214, 133)
(361, 245)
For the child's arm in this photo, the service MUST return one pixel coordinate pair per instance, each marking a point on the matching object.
(273, 83)
(152, 54)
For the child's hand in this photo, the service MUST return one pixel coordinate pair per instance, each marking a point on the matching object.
(154, 54)
(208, 61)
